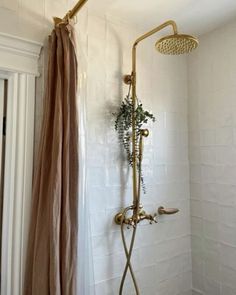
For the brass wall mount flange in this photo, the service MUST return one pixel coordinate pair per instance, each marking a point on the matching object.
(118, 218)
(128, 79)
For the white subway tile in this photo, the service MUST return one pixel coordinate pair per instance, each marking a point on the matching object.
(227, 234)
(10, 4)
(226, 255)
(212, 287)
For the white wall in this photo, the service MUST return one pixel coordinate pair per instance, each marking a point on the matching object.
(31, 19)
(212, 126)
(161, 257)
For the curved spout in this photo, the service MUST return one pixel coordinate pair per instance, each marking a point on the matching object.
(168, 211)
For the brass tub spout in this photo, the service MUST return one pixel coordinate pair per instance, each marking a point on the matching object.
(168, 211)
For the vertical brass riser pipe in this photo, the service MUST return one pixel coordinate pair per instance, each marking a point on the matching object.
(134, 139)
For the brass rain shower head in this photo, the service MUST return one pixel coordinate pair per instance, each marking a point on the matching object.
(176, 44)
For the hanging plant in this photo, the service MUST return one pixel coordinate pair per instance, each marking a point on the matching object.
(123, 125)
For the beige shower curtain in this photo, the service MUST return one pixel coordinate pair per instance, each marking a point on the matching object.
(52, 252)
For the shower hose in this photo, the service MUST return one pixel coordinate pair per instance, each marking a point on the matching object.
(134, 208)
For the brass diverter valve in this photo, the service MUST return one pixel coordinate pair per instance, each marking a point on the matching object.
(135, 218)
(142, 215)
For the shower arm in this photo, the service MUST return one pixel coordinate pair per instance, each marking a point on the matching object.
(146, 35)
(132, 79)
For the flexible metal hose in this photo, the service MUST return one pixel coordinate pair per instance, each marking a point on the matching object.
(128, 253)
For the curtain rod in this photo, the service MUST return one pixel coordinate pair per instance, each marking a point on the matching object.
(71, 13)
(76, 8)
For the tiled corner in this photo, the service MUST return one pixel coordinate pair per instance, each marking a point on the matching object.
(212, 164)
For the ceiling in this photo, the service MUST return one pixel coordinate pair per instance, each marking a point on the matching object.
(192, 16)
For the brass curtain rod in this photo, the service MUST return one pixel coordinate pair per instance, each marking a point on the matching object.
(76, 8)
(71, 13)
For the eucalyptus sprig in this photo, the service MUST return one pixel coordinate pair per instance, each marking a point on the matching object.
(123, 124)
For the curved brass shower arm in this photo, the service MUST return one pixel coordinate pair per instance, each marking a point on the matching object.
(157, 29)
(132, 78)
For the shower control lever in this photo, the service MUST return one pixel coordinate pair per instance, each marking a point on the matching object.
(168, 211)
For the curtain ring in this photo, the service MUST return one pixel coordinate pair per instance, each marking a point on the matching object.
(66, 20)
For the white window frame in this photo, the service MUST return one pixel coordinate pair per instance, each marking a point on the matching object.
(19, 66)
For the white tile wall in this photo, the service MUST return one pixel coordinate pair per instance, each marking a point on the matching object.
(212, 105)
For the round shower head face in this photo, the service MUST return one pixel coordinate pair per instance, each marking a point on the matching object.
(176, 44)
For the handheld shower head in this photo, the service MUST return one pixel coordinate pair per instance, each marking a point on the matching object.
(176, 44)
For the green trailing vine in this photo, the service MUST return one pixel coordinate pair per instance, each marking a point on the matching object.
(123, 125)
